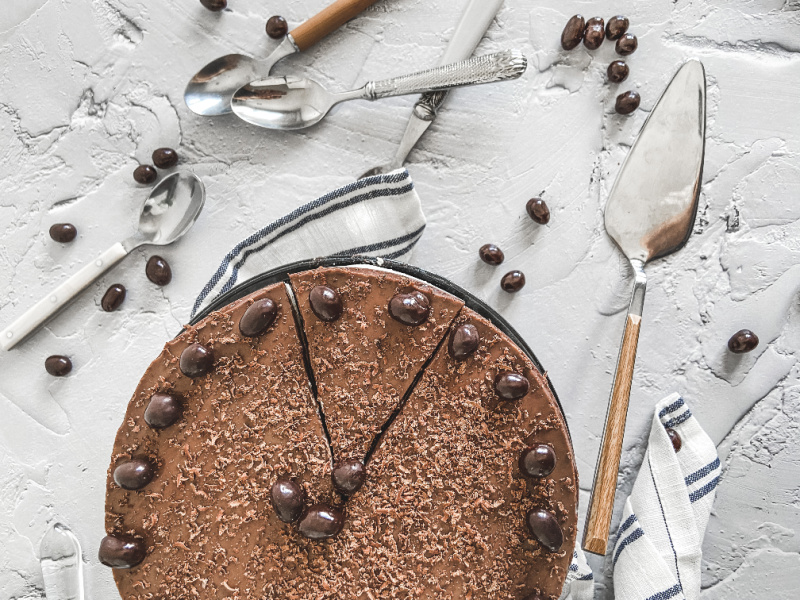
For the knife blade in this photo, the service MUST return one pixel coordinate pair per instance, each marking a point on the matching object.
(649, 214)
(474, 22)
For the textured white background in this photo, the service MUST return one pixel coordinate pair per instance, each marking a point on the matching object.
(88, 88)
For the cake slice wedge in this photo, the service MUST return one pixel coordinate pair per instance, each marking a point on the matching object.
(369, 332)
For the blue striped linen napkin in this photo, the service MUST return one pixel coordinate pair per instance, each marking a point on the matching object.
(658, 549)
(377, 216)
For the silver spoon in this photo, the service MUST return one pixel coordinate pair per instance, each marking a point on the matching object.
(296, 103)
(62, 564)
(170, 210)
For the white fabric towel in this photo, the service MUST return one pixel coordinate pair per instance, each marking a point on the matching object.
(658, 547)
(377, 216)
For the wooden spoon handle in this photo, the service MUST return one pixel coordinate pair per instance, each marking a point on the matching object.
(328, 20)
(601, 503)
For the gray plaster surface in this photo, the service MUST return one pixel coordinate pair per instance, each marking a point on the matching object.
(90, 88)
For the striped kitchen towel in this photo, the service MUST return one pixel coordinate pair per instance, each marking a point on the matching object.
(377, 216)
(658, 546)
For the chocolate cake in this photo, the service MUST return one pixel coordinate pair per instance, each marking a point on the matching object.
(358, 435)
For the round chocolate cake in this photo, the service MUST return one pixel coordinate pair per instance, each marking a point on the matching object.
(353, 434)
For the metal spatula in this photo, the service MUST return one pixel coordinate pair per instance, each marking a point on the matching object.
(649, 214)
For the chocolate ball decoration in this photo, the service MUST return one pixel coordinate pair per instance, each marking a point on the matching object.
(165, 158)
(594, 33)
(537, 461)
(63, 233)
(513, 281)
(464, 340)
(743, 341)
(617, 71)
(511, 386)
(545, 528)
(491, 254)
(145, 174)
(616, 27)
(113, 298)
(538, 211)
(58, 365)
(627, 102)
(277, 27)
(410, 309)
(196, 360)
(321, 522)
(214, 5)
(158, 270)
(258, 317)
(134, 474)
(573, 32)
(675, 438)
(162, 411)
(121, 551)
(627, 44)
(348, 476)
(288, 499)
(326, 303)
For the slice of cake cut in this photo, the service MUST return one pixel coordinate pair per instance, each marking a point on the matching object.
(219, 417)
(369, 332)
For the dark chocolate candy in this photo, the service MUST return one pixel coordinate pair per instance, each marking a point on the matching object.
(145, 174)
(511, 386)
(616, 27)
(196, 360)
(675, 438)
(513, 281)
(627, 44)
(743, 341)
(594, 33)
(491, 254)
(134, 474)
(545, 528)
(410, 309)
(537, 461)
(63, 232)
(538, 211)
(162, 411)
(58, 365)
(326, 303)
(321, 521)
(277, 27)
(215, 5)
(627, 102)
(113, 298)
(258, 317)
(617, 71)
(573, 32)
(121, 551)
(158, 270)
(165, 158)
(288, 499)
(464, 340)
(348, 476)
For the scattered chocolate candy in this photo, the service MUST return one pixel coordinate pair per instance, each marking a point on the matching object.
(511, 386)
(627, 44)
(277, 27)
(348, 476)
(113, 298)
(675, 438)
(627, 102)
(464, 340)
(616, 27)
(410, 309)
(134, 474)
(537, 461)
(538, 211)
(165, 158)
(617, 71)
(321, 522)
(743, 341)
(513, 281)
(573, 32)
(258, 317)
(58, 365)
(326, 303)
(288, 499)
(145, 174)
(544, 527)
(63, 232)
(121, 552)
(196, 360)
(491, 254)
(594, 33)
(215, 5)
(158, 270)
(162, 411)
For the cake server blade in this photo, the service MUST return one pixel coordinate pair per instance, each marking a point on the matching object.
(649, 214)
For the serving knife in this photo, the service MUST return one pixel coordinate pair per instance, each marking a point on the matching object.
(475, 20)
(649, 214)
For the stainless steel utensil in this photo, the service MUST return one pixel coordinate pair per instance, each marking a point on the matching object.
(62, 564)
(475, 20)
(171, 209)
(296, 103)
(649, 214)
(210, 91)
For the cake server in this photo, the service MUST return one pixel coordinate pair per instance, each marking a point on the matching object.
(475, 20)
(209, 92)
(295, 102)
(649, 214)
(169, 212)
(62, 564)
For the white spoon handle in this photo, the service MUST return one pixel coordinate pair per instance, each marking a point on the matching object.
(60, 297)
(499, 66)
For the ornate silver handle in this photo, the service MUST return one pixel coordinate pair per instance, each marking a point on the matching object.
(500, 66)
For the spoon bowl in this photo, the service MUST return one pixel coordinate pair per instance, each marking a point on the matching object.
(209, 92)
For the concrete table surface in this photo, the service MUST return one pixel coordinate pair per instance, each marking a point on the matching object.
(88, 89)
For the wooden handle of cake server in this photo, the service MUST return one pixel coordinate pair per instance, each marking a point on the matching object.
(327, 21)
(601, 503)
